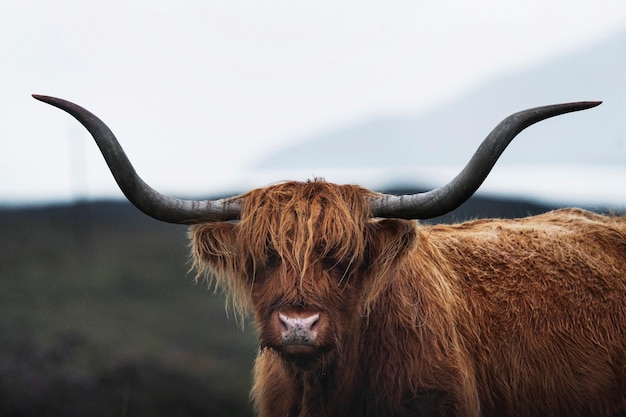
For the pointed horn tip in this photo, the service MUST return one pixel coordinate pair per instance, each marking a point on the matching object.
(46, 99)
(590, 104)
(582, 105)
(62, 104)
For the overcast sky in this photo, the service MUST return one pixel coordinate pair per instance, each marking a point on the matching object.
(197, 90)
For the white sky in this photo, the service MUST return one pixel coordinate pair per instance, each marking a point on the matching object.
(197, 90)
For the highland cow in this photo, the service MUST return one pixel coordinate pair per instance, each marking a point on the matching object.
(362, 311)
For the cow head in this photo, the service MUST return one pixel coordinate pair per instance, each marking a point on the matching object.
(306, 259)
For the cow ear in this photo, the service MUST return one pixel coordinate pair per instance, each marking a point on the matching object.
(390, 239)
(213, 248)
(389, 242)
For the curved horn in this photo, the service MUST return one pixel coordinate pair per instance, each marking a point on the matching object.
(144, 197)
(444, 199)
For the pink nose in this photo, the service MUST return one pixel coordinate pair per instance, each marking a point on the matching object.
(299, 330)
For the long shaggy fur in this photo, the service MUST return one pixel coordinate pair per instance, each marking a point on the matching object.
(490, 317)
(297, 223)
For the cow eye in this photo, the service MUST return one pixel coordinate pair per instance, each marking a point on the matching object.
(328, 262)
(273, 259)
(332, 264)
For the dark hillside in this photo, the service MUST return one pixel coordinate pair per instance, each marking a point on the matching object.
(99, 316)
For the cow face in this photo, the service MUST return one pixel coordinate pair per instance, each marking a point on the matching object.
(307, 260)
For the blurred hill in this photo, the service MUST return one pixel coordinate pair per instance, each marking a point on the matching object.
(412, 146)
(99, 316)
(450, 132)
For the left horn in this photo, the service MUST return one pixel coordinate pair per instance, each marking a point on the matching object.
(446, 198)
(140, 194)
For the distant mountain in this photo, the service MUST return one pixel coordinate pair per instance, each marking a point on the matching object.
(449, 134)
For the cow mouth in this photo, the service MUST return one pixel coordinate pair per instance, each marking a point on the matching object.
(304, 356)
(304, 348)
(299, 349)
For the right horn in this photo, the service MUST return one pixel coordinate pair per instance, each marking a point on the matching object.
(444, 199)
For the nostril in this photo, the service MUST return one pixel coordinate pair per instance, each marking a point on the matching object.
(314, 319)
(284, 320)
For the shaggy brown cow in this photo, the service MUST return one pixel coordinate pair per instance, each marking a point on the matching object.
(363, 316)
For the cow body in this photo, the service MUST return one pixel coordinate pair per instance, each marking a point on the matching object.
(491, 317)
(363, 316)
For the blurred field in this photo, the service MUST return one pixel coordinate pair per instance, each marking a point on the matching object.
(99, 316)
